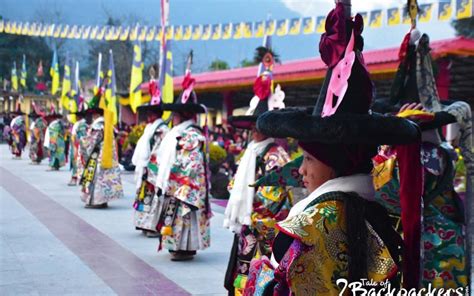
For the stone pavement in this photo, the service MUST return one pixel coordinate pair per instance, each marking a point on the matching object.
(51, 245)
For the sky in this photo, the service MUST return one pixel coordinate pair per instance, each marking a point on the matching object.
(182, 12)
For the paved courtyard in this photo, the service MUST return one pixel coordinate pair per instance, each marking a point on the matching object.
(51, 245)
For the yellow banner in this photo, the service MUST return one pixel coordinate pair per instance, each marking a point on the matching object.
(259, 29)
(308, 25)
(295, 26)
(206, 34)
(320, 24)
(463, 9)
(375, 19)
(445, 10)
(394, 17)
(197, 32)
(178, 33)
(247, 29)
(238, 30)
(227, 31)
(282, 28)
(216, 32)
(270, 27)
(188, 32)
(426, 11)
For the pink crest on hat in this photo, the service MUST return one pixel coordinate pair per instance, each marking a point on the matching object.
(338, 83)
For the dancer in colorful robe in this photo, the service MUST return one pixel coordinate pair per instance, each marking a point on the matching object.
(54, 141)
(98, 185)
(146, 168)
(338, 231)
(443, 239)
(37, 133)
(182, 180)
(17, 134)
(251, 213)
(77, 160)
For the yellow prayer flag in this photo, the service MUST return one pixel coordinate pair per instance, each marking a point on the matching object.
(124, 34)
(295, 26)
(247, 30)
(197, 32)
(375, 18)
(206, 34)
(142, 33)
(150, 35)
(66, 87)
(238, 31)
(463, 9)
(227, 31)
(445, 10)
(2, 26)
(101, 33)
(72, 32)
(259, 29)
(270, 27)
(320, 24)
(216, 32)
(178, 33)
(426, 12)
(169, 32)
(159, 34)
(308, 25)
(282, 28)
(86, 32)
(134, 33)
(64, 32)
(7, 27)
(406, 20)
(57, 31)
(393, 16)
(24, 29)
(188, 32)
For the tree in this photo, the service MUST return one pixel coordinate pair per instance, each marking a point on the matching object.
(123, 56)
(217, 65)
(248, 63)
(12, 48)
(464, 27)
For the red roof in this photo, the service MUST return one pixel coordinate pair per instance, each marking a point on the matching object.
(381, 62)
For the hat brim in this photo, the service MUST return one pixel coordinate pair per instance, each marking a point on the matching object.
(243, 121)
(188, 107)
(149, 108)
(339, 128)
(94, 111)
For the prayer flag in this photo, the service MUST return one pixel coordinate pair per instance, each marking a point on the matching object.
(463, 9)
(54, 73)
(445, 10)
(393, 16)
(188, 32)
(282, 28)
(259, 29)
(23, 73)
(178, 33)
(375, 18)
(238, 31)
(66, 86)
(227, 31)
(216, 32)
(270, 27)
(206, 34)
(14, 78)
(197, 32)
(320, 24)
(136, 78)
(426, 12)
(295, 26)
(308, 25)
(247, 28)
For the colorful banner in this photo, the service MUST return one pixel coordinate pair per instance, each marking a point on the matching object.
(258, 29)
(294, 26)
(227, 31)
(394, 17)
(247, 30)
(445, 10)
(426, 11)
(320, 24)
(308, 25)
(463, 9)
(206, 32)
(216, 32)
(375, 20)
(197, 32)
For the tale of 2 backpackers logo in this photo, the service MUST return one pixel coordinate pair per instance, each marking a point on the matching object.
(366, 287)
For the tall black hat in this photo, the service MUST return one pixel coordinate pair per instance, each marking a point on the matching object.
(187, 102)
(342, 121)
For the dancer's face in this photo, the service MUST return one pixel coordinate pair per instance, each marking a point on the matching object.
(314, 172)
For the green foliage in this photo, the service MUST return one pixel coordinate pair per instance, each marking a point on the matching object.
(217, 65)
(12, 48)
(123, 55)
(464, 27)
(217, 153)
(133, 136)
(247, 63)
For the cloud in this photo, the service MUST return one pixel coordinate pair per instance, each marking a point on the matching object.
(322, 7)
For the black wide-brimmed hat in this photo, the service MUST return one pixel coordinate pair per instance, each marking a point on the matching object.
(347, 118)
(187, 102)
